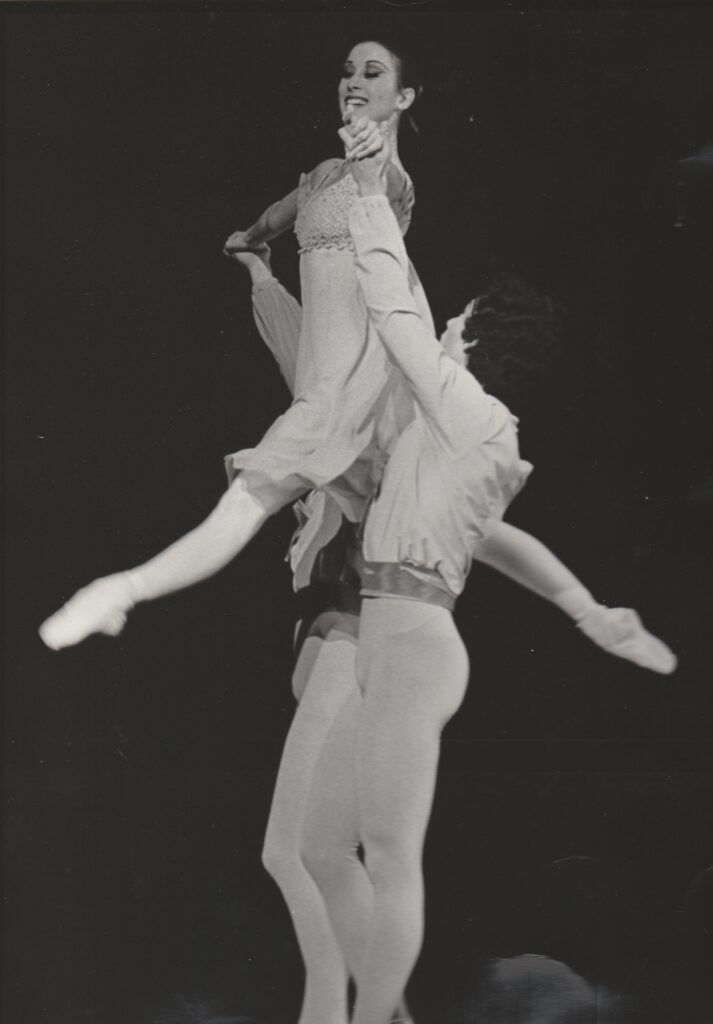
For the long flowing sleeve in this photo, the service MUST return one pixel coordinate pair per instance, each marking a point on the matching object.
(278, 318)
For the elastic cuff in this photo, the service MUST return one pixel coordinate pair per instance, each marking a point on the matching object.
(261, 286)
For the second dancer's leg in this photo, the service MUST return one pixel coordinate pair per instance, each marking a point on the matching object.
(324, 680)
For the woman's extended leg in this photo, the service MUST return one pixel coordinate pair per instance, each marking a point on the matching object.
(102, 606)
(413, 669)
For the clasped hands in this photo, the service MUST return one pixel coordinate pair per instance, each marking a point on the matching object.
(367, 148)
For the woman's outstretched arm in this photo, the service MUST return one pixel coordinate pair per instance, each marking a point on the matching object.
(102, 606)
(277, 218)
(280, 216)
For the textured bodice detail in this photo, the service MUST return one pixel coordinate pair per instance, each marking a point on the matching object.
(323, 219)
(323, 216)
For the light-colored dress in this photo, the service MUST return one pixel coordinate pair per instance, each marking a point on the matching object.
(343, 377)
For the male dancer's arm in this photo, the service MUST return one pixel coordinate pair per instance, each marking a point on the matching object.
(450, 399)
(445, 392)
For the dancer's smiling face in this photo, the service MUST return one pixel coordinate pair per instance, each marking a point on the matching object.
(371, 86)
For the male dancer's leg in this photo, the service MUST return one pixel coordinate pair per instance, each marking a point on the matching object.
(413, 669)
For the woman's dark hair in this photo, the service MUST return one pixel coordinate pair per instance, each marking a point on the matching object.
(410, 76)
(518, 334)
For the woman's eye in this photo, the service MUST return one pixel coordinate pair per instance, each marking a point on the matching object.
(372, 74)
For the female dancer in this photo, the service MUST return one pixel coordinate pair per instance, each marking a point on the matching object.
(341, 373)
(325, 685)
(445, 487)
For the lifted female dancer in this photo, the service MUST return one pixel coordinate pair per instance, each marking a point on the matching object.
(341, 372)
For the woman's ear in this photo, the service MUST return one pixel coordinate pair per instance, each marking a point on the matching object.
(405, 99)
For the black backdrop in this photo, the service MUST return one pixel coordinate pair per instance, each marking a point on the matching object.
(139, 771)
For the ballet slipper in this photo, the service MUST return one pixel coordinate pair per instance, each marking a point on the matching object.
(100, 607)
(621, 632)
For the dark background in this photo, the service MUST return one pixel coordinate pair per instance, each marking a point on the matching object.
(139, 771)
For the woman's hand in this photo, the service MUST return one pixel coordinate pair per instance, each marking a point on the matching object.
(371, 172)
(362, 138)
(239, 242)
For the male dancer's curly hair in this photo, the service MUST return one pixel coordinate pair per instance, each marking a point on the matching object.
(518, 333)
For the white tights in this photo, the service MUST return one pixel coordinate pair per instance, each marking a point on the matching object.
(412, 670)
(324, 681)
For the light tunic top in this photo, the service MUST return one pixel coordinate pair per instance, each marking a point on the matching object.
(341, 374)
(456, 467)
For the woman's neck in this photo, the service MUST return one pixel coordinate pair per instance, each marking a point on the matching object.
(394, 141)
